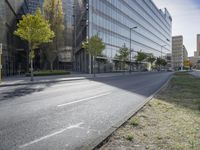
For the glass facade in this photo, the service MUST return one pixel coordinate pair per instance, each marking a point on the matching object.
(112, 20)
(81, 58)
(14, 50)
(65, 53)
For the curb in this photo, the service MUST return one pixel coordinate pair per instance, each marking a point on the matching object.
(42, 82)
(57, 81)
(97, 143)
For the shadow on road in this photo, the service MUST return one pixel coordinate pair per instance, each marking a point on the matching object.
(21, 91)
(143, 84)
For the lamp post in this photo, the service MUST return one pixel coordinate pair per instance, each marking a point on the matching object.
(1, 51)
(130, 46)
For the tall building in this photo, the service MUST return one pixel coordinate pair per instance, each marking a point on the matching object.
(198, 45)
(14, 57)
(197, 52)
(112, 21)
(179, 52)
(66, 53)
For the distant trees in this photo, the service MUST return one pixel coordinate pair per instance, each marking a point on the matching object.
(141, 56)
(35, 29)
(161, 62)
(94, 46)
(123, 55)
(53, 11)
(151, 59)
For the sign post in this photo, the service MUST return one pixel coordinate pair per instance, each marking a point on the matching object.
(1, 51)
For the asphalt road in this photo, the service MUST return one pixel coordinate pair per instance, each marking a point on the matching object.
(70, 115)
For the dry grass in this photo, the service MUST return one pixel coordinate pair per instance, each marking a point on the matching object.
(171, 121)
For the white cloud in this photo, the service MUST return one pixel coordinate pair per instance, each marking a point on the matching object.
(186, 20)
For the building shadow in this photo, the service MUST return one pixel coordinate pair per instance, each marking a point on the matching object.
(144, 84)
(21, 91)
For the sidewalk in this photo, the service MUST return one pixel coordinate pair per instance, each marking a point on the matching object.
(21, 80)
(195, 73)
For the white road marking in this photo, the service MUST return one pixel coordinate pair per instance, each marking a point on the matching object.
(50, 135)
(85, 99)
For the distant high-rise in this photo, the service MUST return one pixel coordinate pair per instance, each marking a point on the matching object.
(198, 45)
(179, 52)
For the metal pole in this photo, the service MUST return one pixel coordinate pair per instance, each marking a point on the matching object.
(130, 47)
(1, 51)
(130, 52)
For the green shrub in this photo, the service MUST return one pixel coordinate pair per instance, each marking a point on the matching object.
(49, 73)
(129, 137)
(134, 121)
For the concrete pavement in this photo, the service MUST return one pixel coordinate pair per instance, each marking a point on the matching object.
(195, 73)
(71, 115)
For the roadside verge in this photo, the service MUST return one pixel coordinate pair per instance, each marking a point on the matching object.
(105, 136)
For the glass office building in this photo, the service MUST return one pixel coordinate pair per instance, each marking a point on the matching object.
(66, 52)
(113, 20)
(14, 57)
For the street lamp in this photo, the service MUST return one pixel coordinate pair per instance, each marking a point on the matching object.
(130, 46)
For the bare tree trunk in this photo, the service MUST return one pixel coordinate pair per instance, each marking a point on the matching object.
(94, 62)
(51, 66)
(32, 79)
(31, 60)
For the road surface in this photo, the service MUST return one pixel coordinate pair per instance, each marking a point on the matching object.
(72, 114)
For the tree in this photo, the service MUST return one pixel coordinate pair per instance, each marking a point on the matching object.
(140, 57)
(161, 62)
(53, 11)
(151, 59)
(164, 63)
(123, 55)
(35, 29)
(94, 46)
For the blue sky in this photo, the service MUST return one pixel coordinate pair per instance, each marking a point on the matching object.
(186, 20)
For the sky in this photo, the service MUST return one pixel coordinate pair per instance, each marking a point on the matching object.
(186, 20)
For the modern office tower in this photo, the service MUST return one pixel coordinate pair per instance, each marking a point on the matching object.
(120, 22)
(197, 52)
(66, 52)
(14, 57)
(198, 45)
(179, 52)
(34, 4)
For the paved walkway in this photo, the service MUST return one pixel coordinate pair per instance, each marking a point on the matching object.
(21, 80)
(195, 73)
